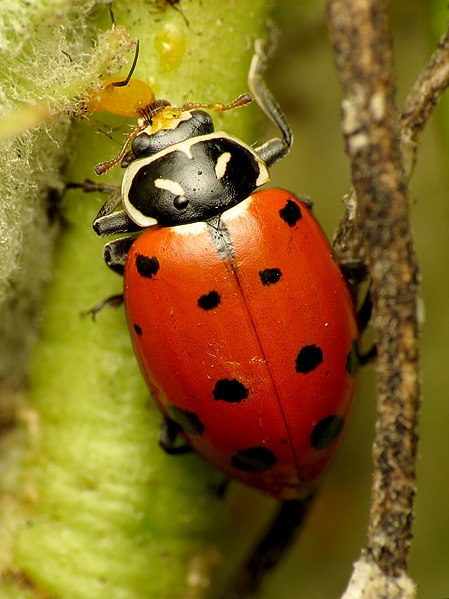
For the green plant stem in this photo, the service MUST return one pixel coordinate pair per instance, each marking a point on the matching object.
(104, 513)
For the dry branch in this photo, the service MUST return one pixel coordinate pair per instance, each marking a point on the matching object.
(425, 94)
(371, 127)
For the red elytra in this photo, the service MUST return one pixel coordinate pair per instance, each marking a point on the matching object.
(245, 332)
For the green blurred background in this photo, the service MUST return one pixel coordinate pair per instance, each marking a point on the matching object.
(304, 79)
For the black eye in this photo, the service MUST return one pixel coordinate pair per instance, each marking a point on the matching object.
(141, 145)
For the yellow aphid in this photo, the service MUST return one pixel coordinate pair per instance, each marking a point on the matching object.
(124, 100)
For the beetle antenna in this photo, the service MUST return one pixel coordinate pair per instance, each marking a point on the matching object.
(103, 167)
(146, 114)
(242, 100)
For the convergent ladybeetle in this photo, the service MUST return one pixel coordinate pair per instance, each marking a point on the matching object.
(240, 318)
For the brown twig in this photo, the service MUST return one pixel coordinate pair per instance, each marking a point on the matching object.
(371, 127)
(422, 99)
(424, 96)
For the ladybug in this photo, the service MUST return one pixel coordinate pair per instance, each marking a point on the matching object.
(240, 318)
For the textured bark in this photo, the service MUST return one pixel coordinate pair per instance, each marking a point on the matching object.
(371, 127)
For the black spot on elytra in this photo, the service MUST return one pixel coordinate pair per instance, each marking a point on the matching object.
(188, 421)
(291, 213)
(308, 358)
(209, 300)
(147, 267)
(254, 459)
(137, 329)
(352, 360)
(326, 431)
(230, 390)
(270, 276)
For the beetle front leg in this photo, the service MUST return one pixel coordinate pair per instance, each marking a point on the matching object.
(110, 205)
(115, 253)
(114, 223)
(89, 186)
(107, 222)
(113, 301)
(274, 149)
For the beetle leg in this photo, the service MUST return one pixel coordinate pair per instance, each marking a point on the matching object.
(115, 253)
(110, 205)
(307, 201)
(221, 489)
(107, 222)
(271, 548)
(114, 223)
(368, 356)
(354, 271)
(113, 301)
(169, 435)
(89, 186)
(365, 311)
(274, 149)
(364, 314)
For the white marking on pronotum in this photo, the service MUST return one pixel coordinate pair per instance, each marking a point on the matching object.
(172, 186)
(185, 147)
(221, 164)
